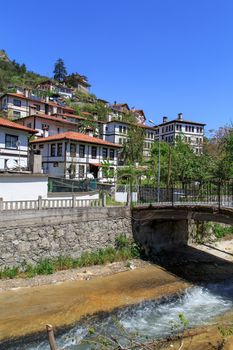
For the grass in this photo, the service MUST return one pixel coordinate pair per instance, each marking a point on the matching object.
(220, 231)
(124, 249)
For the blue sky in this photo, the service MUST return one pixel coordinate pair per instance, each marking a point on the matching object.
(164, 56)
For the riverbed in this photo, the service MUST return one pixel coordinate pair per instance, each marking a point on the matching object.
(143, 296)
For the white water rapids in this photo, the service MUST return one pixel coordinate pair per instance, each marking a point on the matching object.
(153, 319)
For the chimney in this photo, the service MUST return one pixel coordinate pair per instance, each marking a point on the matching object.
(180, 116)
(165, 119)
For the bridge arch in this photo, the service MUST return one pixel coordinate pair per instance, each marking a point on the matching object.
(166, 227)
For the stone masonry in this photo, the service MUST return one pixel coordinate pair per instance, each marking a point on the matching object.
(30, 236)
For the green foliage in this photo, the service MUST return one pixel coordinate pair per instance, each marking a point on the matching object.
(124, 249)
(9, 272)
(220, 231)
(13, 73)
(60, 71)
(132, 151)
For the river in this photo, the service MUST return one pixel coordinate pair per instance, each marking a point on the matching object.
(147, 312)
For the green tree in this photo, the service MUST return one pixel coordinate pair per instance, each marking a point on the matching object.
(132, 151)
(60, 71)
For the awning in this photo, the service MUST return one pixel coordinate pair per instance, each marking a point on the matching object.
(95, 164)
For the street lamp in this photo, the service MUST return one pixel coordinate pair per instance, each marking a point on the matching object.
(158, 178)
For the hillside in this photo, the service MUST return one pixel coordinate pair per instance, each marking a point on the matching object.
(13, 73)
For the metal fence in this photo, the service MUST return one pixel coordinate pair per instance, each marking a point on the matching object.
(69, 185)
(217, 193)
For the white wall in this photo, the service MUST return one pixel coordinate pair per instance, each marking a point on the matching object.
(11, 153)
(23, 187)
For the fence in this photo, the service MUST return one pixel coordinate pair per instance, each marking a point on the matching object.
(214, 193)
(40, 204)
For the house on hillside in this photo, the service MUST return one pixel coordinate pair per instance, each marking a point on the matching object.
(78, 82)
(14, 145)
(190, 132)
(18, 105)
(55, 88)
(76, 155)
(47, 125)
(116, 131)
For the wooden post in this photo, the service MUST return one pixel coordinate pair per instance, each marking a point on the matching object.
(51, 337)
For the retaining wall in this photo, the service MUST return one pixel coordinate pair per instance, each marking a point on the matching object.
(28, 236)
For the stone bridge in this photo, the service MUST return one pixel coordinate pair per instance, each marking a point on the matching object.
(165, 227)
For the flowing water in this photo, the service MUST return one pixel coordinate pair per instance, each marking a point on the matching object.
(153, 319)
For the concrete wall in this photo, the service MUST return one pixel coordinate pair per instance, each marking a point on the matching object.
(18, 187)
(30, 236)
(155, 236)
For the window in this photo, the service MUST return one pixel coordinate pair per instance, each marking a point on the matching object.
(55, 164)
(41, 146)
(111, 154)
(44, 126)
(105, 152)
(53, 150)
(81, 151)
(197, 129)
(120, 140)
(93, 152)
(11, 141)
(81, 171)
(16, 102)
(124, 129)
(16, 114)
(120, 129)
(186, 128)
(58, 130)
(201, 129)
(29, 125)
(192, 128)
(59, 149)
(73, 150)
(37, 107)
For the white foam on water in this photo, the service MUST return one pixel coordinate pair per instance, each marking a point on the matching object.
(154, 319)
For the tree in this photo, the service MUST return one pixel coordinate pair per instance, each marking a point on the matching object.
(132, 151)
(60, 71)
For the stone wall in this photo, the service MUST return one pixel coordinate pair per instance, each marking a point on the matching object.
(29, 236)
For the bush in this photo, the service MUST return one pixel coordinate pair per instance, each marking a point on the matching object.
(125, 249)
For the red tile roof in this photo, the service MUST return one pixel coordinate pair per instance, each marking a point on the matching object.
(37, 101)
(47, 117)
(75, 136)
(12, 125)
(70, 115)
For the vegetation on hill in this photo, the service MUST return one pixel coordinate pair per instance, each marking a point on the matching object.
(15, 74)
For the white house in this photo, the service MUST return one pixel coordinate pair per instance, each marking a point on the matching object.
(116, 131)
(13, 145)
(76, 155)
(191, 132)
(56, 88)
(47, 125)
(18, 105)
